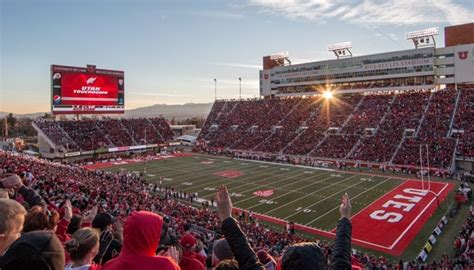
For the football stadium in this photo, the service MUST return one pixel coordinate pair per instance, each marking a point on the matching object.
(356, 162)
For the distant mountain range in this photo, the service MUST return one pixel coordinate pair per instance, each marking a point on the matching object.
(184, 111)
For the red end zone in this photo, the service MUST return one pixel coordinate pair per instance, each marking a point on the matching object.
(379, 234)
(390, 223)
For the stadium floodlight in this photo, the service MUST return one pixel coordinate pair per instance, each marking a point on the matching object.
(280, 55)
(421, 38)
(341, 50)
(280, 58)
(340, 46)
(422, 33)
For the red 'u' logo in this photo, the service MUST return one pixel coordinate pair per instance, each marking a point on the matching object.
(462, 55)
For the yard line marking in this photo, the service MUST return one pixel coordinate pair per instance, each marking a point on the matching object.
(260, 186)
(310, 194)
(255, 174)
(318, 202)
(209, 181)
(295, 191)
(305, 178)
(355, 197)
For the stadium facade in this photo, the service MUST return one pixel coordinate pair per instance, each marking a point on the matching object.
(421, 68)
(389, 108)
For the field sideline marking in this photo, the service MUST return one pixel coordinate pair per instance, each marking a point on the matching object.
(288, 165)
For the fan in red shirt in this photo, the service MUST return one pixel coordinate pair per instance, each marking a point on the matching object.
(191, 260)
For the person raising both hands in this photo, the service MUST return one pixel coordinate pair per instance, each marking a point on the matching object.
(299, 256)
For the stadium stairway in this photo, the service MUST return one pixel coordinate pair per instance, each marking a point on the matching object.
(106, 136)
(395, 153)
(291, 142)
(424, 114)
(356, 145)
(156, 129)
(42, 134)
(453, 117)
(352, 114)
(128, 132)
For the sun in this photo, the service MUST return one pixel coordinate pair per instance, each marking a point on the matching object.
(327, 94)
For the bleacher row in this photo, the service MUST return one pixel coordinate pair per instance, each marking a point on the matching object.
(381, 128)
(92, 134)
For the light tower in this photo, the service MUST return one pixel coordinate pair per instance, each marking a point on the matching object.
(423, 38)
(341, 50)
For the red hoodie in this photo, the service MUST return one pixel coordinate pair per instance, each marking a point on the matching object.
(141, 236)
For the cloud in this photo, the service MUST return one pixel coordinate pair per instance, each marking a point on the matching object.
(371, 12)
(239, 65)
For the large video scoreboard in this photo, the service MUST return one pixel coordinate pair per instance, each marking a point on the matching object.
(79, 90)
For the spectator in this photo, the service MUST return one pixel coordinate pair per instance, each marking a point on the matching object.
(74, 225)
(39, 250)
(82, 248)
(12, 216)
(40, 218)
(227, 265)
(266, 260)
(13, 181)
(141, 233)
(109, 246)
(190, 260)
(310, 255)
(237, 240)
(302, 256)
(221, 251)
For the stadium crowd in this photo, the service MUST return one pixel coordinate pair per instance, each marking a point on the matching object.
(76, 135)
(381, 128)
(60, 216)
(463, 124)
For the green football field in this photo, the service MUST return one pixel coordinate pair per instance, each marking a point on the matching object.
(304, 195)
(307, 196)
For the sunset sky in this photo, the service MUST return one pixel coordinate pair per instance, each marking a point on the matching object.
(172, 50)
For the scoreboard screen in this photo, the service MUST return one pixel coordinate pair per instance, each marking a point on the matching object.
(78, 90)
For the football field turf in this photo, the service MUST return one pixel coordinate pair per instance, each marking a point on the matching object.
(307, 196)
